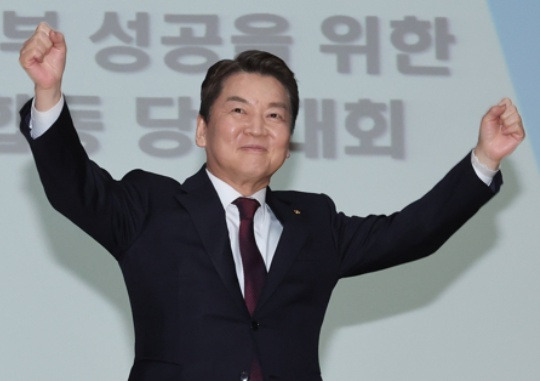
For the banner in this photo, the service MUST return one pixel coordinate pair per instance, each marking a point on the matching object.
(392, 94)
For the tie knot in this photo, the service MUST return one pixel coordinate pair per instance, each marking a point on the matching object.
(246, 207)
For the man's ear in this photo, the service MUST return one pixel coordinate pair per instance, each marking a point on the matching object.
(200, 133)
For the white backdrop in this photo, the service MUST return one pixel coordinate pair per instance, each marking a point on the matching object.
(385, 113)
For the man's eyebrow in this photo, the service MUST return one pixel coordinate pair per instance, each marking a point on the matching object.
(279, 105)
(236, 98)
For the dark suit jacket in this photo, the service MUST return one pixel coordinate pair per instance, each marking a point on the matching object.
(171, 242)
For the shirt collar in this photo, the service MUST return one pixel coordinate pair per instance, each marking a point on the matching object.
(227, 194)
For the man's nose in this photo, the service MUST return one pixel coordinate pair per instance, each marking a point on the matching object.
(256, 126)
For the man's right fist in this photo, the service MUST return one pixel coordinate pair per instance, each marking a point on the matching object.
(43, 57)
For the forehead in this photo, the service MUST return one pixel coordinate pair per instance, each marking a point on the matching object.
(254, 87)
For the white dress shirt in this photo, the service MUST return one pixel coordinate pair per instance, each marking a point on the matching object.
(265, 224)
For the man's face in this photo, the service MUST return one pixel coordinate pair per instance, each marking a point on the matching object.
(247, 135)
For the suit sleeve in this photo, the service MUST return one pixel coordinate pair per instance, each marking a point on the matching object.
(376, 242)
(108, 210)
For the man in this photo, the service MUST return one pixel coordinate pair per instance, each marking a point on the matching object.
(211, 299)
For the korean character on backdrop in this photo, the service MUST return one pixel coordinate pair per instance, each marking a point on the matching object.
(418, 37)
(320, 129)
(172, 136)
(350, 39)
(11, 140)
(88, 119)
(378, 127)
(127, 53)
(194, 39)
(263, 31)
(17, 29)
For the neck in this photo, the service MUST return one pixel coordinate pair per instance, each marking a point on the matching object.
(246, 187)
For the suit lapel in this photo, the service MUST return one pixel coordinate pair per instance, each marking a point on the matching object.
(202, 203)
(292, 240)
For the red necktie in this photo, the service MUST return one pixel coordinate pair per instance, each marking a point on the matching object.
(254, 268)
(253, 264)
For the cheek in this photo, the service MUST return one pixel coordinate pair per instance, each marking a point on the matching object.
(222, 136)
(283, 142)
(230, 133)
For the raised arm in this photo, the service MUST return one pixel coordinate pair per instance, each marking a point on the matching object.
(111, 211)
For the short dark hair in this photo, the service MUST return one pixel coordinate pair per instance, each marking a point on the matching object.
(250, 61)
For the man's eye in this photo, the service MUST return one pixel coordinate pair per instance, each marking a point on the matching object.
(275, 115)
(238, 110)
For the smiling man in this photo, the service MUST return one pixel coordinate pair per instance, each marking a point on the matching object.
(228, 279)
(246, 134)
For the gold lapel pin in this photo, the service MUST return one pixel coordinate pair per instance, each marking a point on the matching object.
(296, 211)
